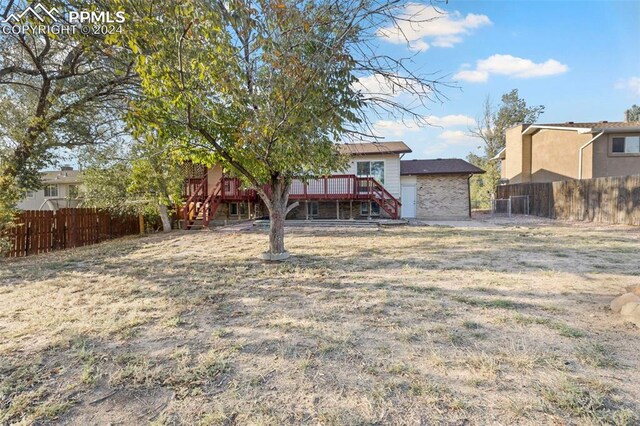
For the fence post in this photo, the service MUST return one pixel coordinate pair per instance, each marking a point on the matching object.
(27, 239)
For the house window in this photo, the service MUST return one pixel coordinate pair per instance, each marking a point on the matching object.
(626, 145)
(374, 169)
(29, 194)
(73, 191)
(51, 190)
(237, 209)
(313, 209)
(375, 209)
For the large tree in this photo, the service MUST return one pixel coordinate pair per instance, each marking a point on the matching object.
(632, 114)
(266, 88)
(491, 128)
(57, 92)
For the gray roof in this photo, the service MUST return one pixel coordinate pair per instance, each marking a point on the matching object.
(594, 125)
(372, 148)
(62, 176)
(440, 166)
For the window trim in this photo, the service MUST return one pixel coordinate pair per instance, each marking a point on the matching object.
(621, 154)
(51, 185)
(76, 190)
(237, 209)
(384, 169)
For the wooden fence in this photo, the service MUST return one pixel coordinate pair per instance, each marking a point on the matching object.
(43, 231)
(614, 200)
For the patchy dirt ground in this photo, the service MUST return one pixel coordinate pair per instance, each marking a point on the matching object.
(410, 325)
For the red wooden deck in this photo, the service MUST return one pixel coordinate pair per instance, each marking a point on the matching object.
(202, 201)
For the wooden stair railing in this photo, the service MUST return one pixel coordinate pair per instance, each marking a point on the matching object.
(385, 200)
(193, 205)
(212, 203)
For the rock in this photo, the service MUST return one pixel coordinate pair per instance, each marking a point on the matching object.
(629, 308)
(635, 289)
(631, 312)
(620, 301)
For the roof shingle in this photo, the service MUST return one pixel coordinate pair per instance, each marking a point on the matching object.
(370, 148)
(440, 166)
(594, 125)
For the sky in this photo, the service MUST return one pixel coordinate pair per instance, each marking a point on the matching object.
(580, 59)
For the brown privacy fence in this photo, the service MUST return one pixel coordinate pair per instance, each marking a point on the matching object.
(43, 231)
(614, 200)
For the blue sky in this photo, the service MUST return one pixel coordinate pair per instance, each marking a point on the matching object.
(580, 59)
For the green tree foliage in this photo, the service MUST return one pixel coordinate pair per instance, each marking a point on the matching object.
(491, 128)
(143, 177)
(264, 88)
(632, 114)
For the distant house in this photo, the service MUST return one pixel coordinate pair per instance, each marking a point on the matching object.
(59, 190)
(555, 152)
(376, 184)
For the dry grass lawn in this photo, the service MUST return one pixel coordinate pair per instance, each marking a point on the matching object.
(413, 325)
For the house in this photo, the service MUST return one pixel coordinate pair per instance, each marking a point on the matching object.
(555, 152)
(436, 189)
(376, 184)
(59, 190)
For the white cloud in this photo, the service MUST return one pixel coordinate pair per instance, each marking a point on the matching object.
(457, 137)
(375, 84)
(426, 22)
(388, 86)
(632, 83)
(451, 120)
(511, 66)
(394, 129)
(472, 76)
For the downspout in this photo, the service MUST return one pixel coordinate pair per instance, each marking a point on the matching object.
(469, 193)
(580, 153)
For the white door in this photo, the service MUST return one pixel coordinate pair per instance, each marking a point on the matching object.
(408, 201)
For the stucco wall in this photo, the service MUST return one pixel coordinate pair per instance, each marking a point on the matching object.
(605, 163)
(554, 154)
(442, 197)
(512, 165)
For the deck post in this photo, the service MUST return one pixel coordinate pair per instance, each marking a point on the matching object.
(369, 212)
(306, 208)
(351, 209)
(337, 209)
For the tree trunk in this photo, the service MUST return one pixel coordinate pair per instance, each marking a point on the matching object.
(164, 216)
(276, 202)
(277, 216)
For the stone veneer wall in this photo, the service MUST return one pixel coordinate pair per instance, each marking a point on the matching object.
(327, 210)
(442, 197)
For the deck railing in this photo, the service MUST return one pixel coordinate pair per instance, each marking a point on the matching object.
(333, 187)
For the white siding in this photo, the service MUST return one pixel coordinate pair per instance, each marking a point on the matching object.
(391, 170)
(38, 198)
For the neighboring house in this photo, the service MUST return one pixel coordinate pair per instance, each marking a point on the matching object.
(376, 184)
(59, 190)
(555, 152)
